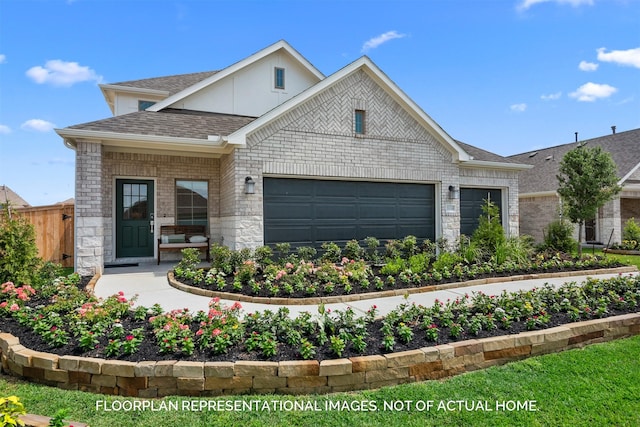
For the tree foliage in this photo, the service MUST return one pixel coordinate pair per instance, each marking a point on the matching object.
(18, 251)
(587, 179)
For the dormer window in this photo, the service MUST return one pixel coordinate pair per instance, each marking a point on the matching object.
(143, 105)
(278, 78)
(358, 122)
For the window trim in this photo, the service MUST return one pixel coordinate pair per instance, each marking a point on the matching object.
(141, 102)
(359, 122)
(176, 207)
(279, 78)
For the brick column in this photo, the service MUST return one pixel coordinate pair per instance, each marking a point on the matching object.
(89, 221)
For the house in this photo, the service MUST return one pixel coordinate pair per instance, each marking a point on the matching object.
(8, 197)
(540, 204)
(271, 150)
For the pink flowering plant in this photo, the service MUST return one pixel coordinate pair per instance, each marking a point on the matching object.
(67, 320)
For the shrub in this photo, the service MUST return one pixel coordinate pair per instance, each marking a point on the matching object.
(263, 255)
(18, 251)
(307, 253)
(559, 237)
(631, 230)
(489, 233)
(409, 246)
(371, 253)
(190, 259)
(221, 258)
(446, 260)
(393, 266)
(352, 250)
(332, 252)
(419, 263)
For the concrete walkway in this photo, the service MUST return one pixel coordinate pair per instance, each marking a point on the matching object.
(149, 282)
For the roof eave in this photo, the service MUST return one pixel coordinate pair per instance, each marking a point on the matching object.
(484, 164)
(217, 144)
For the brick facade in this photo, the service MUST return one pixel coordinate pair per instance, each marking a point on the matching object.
(315, 139)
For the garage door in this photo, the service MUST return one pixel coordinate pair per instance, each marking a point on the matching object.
(306, 212)
(471, 201)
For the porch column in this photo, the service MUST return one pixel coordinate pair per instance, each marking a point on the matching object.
(89, 221)
(610, 220)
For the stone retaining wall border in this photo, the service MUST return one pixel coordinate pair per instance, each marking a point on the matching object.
(163, 378)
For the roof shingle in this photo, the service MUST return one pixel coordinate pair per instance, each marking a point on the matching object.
(169, 122)
(624, 148)
(172, 84)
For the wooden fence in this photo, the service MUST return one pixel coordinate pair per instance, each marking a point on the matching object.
(54, 231)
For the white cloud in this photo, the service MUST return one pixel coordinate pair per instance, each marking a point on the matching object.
(526, 4)
(587, 66)
(382, 38)
(38, 125)
(518, 108)
(629, 57)
(3, 58)
(62, 73)
(551, 96)
(4, 129)
(589, 92)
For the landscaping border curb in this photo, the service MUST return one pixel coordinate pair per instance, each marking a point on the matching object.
(151, 379)
(389, 293)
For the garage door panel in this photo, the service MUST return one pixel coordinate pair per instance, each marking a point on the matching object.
(375, 189)
(335, 233)
(290, 211)
(370, 211)
(335, 211)
(339, 211)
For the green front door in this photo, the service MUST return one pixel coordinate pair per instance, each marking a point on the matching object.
(134, 218)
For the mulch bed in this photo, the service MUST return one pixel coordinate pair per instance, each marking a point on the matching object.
(149, 350)
(399, 284)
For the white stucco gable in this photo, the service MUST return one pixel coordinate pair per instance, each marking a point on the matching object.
(363, 64)
(248, 87)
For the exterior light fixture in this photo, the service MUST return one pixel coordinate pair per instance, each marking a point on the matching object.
(249, 185)
(454, 193)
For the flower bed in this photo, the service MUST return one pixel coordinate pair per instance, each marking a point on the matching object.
(326, 280)
(166, 378)
(71, 339)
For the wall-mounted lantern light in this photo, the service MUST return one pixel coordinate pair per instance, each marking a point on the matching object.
(249, 185)
(454, 193)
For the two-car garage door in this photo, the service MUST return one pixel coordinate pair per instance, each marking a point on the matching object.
(307, 212)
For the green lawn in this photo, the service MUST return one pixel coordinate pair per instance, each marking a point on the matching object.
(598, 385)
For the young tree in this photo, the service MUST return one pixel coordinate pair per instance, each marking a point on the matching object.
(587, 179)
(18, 251)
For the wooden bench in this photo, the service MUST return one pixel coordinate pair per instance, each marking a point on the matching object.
(177, 237)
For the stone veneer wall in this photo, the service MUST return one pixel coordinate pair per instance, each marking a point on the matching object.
(89, 221)
(163, 378)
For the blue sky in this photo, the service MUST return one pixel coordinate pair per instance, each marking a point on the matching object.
(508, 76)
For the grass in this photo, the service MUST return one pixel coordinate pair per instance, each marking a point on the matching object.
(596, 385)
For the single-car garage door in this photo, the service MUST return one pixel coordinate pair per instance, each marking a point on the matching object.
(307, 212)
(471, 201)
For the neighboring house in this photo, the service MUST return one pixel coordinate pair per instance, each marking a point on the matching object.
(11, 198)
(540, 204)
(332, 158)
